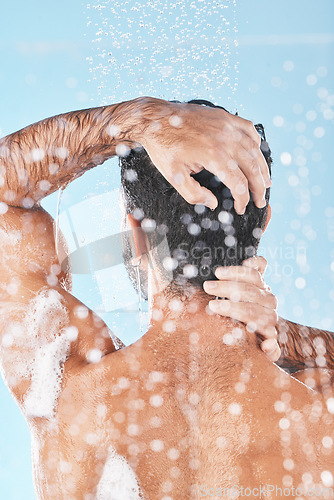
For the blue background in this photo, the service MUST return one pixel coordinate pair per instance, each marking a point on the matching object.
(60, 56)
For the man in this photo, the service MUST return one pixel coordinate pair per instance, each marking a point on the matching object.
(305, 352)
(184, 409)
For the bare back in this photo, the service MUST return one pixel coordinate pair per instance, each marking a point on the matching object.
(162, 420)
(185, 437)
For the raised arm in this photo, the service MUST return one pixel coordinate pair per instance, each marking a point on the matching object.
(247, 298)
(47, 155)
(180, 138)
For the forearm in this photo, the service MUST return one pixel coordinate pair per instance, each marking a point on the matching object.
(304, 347)
(48, 155)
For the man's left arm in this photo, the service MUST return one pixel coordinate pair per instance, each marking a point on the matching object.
(304, 346)
(248, 299)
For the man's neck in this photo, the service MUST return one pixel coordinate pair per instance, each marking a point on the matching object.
(200, 350)
(174, 318)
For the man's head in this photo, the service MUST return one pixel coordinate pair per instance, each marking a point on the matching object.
(199, 239)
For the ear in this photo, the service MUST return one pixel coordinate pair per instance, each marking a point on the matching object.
(268, 218)
(139, 237)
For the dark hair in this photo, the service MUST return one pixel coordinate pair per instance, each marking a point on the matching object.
(196, 236)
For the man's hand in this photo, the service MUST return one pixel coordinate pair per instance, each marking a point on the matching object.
(182, 139)
(249, 300)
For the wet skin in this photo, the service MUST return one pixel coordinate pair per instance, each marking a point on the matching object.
(185, 408)
(186, 405)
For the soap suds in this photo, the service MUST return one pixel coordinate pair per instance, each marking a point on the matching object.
(46, 378)
(35, 348)
(45, 325)
(118, 480)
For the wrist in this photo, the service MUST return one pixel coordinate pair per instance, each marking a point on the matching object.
(142, 117)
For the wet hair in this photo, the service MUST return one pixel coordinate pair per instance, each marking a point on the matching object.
(199, 239)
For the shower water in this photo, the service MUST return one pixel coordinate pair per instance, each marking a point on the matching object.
(60, 194)
(174, 50)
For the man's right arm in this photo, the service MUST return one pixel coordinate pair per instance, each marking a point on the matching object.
(47, 155)
(181, 139)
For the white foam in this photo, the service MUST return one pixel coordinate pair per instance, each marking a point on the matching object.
(40, 400)
(118, 481)
(36, 348)
(46, 332)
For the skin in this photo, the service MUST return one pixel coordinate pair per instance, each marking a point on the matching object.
(186, 405)
(294, 347)
(62, 148)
